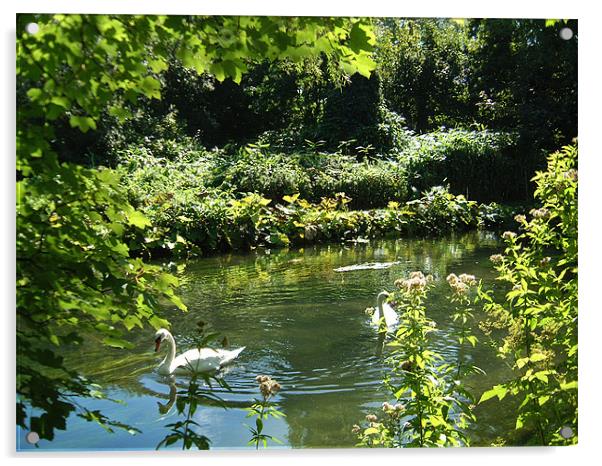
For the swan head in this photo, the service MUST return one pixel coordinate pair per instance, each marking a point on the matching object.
(160, 335)
(382, 296)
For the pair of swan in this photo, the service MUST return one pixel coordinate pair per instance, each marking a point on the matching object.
(194, 360)
(384, 310)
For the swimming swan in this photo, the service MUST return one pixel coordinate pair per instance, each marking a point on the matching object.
(384, 309)
(194, 360)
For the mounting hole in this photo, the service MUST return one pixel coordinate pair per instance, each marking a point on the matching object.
(32, 437)
(32, 28)
(566, 432)
(566, 33)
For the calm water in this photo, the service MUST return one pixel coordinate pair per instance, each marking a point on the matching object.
(303, 324)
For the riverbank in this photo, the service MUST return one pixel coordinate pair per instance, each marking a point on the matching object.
(223, 223)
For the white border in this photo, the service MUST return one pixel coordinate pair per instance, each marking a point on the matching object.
(590, 106)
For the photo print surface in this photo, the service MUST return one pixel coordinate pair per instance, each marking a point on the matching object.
(240, 232)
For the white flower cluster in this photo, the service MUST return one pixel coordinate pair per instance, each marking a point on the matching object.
(267, 386)
(461, 284)
(415, 283)
(540, 213)
(496, 258)
(393, 410)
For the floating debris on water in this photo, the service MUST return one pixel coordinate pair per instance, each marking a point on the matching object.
(358, 240)
(367, 266)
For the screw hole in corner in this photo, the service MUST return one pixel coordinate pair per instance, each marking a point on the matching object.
(566, 432)
(566, 33)
(32, 437)
(32, 28)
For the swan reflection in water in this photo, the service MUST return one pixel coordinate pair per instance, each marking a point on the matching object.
(165, 408)
(203, 394)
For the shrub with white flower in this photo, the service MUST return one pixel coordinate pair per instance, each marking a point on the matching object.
(538, 316)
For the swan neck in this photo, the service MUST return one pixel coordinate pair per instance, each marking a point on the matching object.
(380, 300)
(171, 351)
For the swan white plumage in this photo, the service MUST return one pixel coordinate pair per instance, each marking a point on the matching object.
(384, 309)
(194, 360)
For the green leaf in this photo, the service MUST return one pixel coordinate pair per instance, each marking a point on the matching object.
(217, 70)
(121, 113)
(138, 219)
(519, 423)
(61, 101)
(358, 38)
(290, 199)
(536, 357)
(82, 122)
(151, 87)
(364, 65)
(158, 323)
(499, 390)
(34, 94)
(168, 280)
(569, 385)
(520, 363)
(158, 65)
(178, 302)
(131, 321)
(121, 249)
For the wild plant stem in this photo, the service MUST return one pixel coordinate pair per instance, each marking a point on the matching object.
(531, 389)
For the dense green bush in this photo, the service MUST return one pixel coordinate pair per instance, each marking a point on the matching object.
(369, 184)
(228, 199)
(188, 213)
(482, 165)
(255, 169)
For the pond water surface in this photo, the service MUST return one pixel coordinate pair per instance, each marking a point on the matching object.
(303, 324)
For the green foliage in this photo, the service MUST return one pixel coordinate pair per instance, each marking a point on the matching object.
(424, 66)
(92, 44)
(189, 217)
(314, 176)
(439, 211)
(87, 91)
(479, 164)
(525, 79)
(76, 280)
(271, 175)
(352, 112)
(539, 315)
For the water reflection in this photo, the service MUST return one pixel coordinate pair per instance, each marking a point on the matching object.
(165, 408)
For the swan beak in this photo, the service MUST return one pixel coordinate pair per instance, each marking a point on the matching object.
(157, 344)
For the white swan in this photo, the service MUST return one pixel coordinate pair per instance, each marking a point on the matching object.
(384, 309)
(194, 360)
